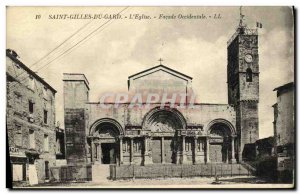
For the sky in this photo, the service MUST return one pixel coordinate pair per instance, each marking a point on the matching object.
(195, 47)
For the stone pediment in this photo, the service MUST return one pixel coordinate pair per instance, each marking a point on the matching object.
(158, 76)
(160, 68)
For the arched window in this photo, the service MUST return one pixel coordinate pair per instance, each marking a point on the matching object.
(248, 75)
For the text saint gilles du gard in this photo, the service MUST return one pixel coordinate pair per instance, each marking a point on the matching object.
(83, 16)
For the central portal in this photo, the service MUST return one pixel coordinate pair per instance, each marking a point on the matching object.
(164, 125)
(109, 153)
(163, 150)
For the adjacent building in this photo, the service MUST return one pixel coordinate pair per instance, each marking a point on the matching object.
(284, 131)
(30, 122)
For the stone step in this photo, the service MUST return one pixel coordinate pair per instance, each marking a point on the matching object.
(100, 172)
(173, 170)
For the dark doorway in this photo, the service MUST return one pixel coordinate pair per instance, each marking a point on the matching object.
(109, 152)
(46, 170)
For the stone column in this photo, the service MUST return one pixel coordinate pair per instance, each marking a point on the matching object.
(207, 149)
(92, 150)
(183, 143)
(150, 149)
(131, 150)
(195, 150)
(184, 157)
(121, 150)
(162, 150)
(147, 159)
(97, 151)
(178, 149)
(233, 160)
(146, 145)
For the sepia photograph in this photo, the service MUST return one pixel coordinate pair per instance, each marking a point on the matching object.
(142, 97)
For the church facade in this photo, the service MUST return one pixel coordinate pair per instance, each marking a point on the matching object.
(152, 133)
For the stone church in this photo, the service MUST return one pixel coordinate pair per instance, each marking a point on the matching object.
(205, 133)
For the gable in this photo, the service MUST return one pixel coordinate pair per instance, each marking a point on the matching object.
(159, 78)
(157, 68)
(160, 74)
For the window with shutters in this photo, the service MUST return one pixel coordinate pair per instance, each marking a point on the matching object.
(46, 143)
(31, 139)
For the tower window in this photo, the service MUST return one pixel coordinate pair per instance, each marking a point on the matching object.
(31, 105)
(248, 75)
(45, 116)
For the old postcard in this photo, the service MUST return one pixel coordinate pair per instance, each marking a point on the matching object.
(150, 97)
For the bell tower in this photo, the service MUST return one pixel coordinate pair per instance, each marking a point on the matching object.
(243, 83)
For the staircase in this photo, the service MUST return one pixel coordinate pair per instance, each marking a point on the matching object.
(100, 172)
(249, 166)
(173, 170)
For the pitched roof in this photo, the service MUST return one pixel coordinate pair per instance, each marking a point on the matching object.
(285, 86)
(12, 56)
(158, 67)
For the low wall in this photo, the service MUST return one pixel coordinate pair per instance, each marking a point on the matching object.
(61, 162)
(172, 170)
(71, 173)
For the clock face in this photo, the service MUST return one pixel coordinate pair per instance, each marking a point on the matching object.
(248, 58)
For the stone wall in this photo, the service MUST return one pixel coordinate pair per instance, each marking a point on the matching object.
(248, 122)
(200, 114)
(71, 173)
(75, 136)
(76, 94)
(285, 127)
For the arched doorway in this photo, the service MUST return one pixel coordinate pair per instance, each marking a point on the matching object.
(221, 142)
(107, 134)
(164, 125)
(104, 144)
